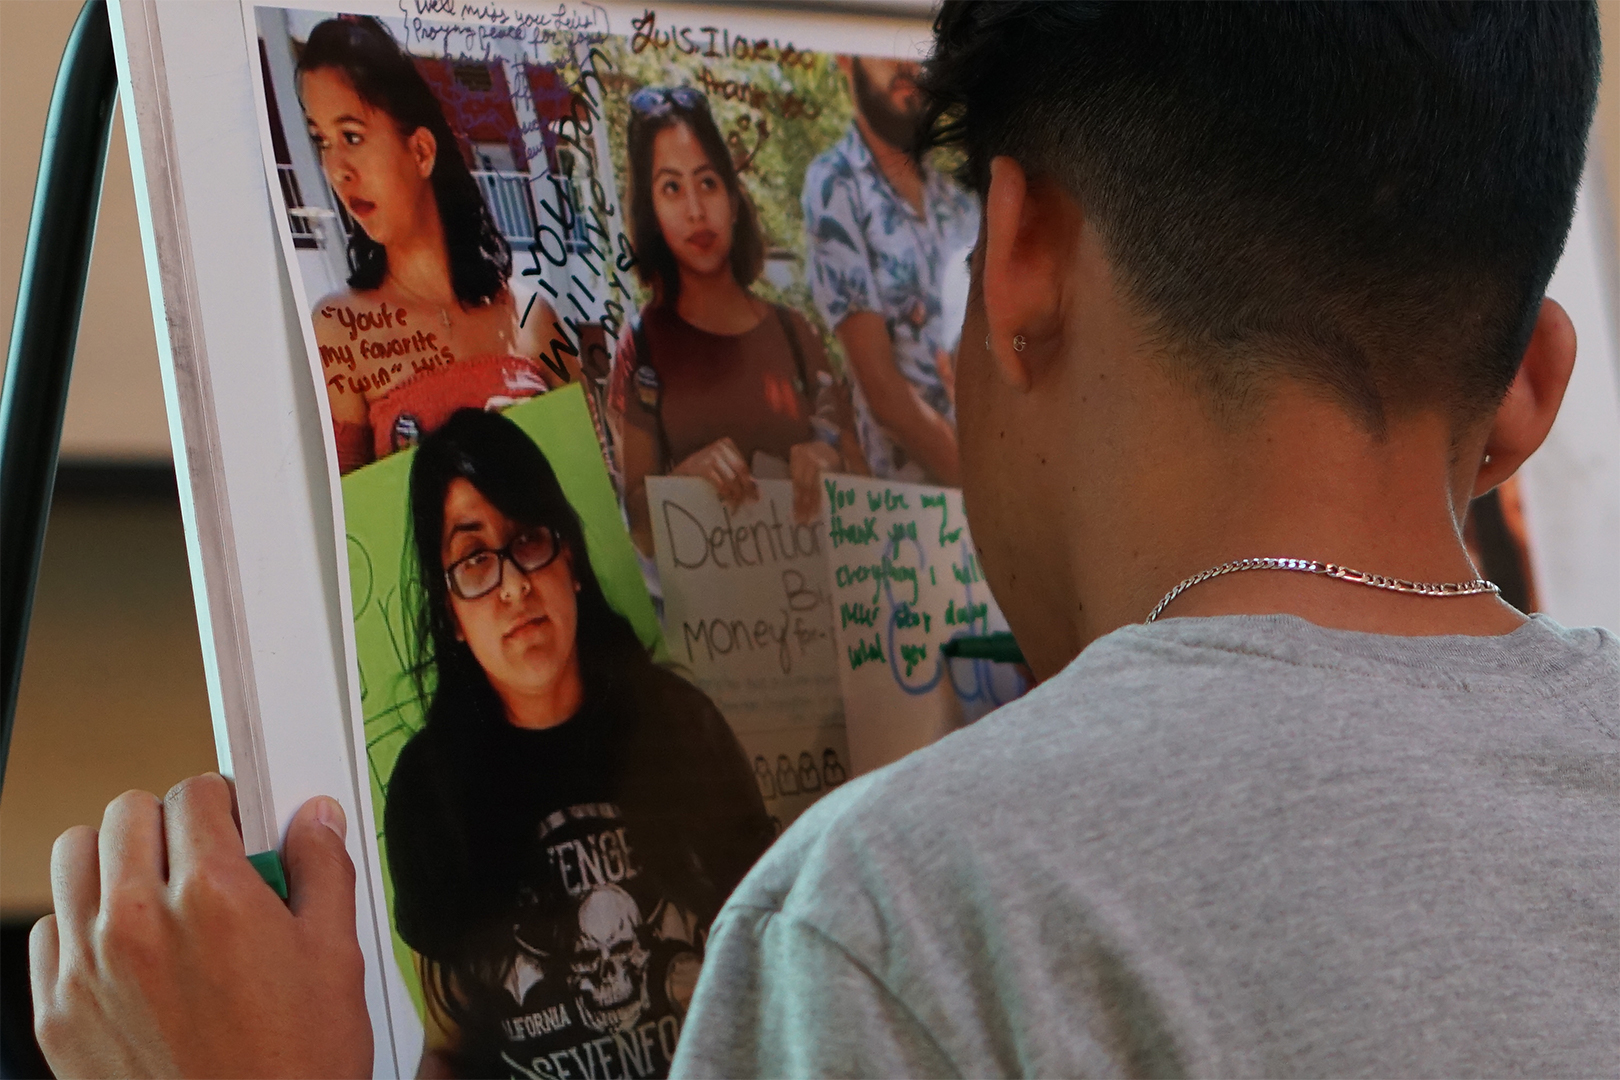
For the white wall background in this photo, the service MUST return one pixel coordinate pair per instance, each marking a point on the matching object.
(115, 404)
(1571, 485)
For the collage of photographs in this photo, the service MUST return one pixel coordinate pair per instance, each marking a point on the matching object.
(637, 350)
(637, 347)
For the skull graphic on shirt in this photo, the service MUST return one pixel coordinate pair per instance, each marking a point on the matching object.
(608, 969)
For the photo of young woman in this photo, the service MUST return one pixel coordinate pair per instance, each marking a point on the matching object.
(714, 382)
(568, 821)
(428, 323)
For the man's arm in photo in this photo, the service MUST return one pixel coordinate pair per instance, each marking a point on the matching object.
(925, 434)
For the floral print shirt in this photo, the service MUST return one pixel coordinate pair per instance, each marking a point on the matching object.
(870, 251)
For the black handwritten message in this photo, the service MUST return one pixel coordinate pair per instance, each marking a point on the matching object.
(573, 275)
(475, 27)
(748, 613)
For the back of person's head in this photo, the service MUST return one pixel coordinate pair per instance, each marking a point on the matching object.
(1370, 197)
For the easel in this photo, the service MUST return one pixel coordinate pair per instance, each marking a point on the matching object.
(45, 327)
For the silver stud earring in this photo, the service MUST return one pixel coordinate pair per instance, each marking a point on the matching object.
(1019, 343)
(1487, 459)
(987, 343)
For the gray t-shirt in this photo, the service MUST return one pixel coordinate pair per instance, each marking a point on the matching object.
(1217, 847)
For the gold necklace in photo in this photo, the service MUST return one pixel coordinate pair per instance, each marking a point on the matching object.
(415, 297)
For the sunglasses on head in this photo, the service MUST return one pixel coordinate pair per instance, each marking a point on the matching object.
(656, 100)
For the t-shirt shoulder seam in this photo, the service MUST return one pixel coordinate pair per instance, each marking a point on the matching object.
(760, 907)
(882, 984)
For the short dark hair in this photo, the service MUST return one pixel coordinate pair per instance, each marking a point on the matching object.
(655, 262)
(1370, 196)
(386, 78)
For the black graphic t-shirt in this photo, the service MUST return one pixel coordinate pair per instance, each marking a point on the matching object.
(561, 882)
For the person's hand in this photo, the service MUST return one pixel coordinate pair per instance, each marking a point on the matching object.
(806, 462)
(722, 464)
(168, 955)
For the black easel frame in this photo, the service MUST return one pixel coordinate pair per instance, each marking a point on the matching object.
(45, 327)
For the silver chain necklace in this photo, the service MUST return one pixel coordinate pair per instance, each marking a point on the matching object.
(1332, 570)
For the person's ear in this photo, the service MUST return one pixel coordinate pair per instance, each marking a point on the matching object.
(573, 575)
(1027, 234)
(846, 65)
(1528, 410)
(424, 150)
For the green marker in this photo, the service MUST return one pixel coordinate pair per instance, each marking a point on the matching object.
(268, 864)
(999, 647)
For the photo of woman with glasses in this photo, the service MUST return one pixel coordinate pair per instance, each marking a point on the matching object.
(714, 382)
(566, 824)
(428, 323)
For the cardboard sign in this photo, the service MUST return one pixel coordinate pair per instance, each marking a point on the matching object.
(750, 620)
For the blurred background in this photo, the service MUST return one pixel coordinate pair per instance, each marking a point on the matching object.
(112, 693)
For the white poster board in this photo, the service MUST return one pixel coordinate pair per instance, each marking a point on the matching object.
(905, 579)
(748, 615)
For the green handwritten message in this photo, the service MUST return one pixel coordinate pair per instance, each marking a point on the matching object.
(904, 580)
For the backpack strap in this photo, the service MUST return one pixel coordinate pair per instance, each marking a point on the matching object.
(797, 348)
(650, 392)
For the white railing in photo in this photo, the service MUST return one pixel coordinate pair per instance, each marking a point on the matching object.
(507, 194)
(299, 217)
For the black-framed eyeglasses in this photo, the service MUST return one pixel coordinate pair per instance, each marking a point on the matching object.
(480, 573)
(655, 100)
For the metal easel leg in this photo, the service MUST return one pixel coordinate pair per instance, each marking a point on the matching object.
(44, 328)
